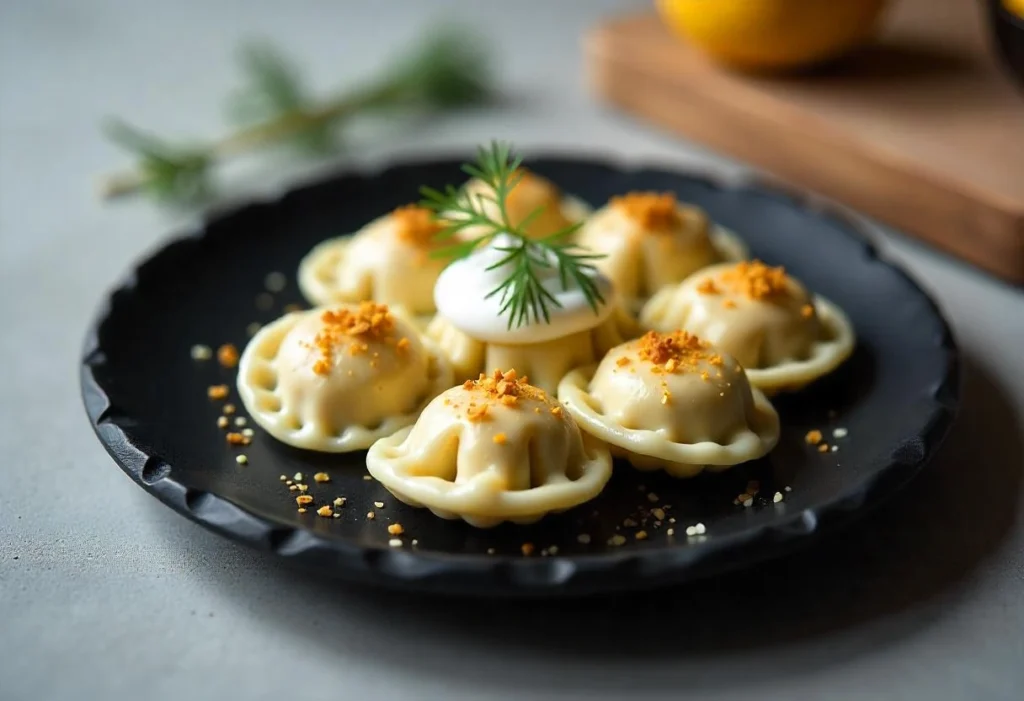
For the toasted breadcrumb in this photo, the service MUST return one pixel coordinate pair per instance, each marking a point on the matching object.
(217, 391)
(416, 225)
(755, 280)
(354, 329)
(227, 355)
(655, 212)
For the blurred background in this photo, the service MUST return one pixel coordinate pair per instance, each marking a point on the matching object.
(908, 110)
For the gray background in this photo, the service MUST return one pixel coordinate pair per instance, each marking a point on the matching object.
(106, 594)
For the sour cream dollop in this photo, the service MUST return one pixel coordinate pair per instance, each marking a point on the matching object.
(461, 297)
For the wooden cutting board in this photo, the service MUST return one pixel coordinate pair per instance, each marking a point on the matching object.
(922, 130)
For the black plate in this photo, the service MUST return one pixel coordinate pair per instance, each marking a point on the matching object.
(147, 400)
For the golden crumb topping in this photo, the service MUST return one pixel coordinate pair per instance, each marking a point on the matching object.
(504, 388)
(217, 391)
(354, 329)
(652, 210)
(707, 286)
(227, 355)
(752, 279)
(527, 182)
(676, 351)
(416, 225)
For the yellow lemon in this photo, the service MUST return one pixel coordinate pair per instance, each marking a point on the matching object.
(1015, 6)
(772, 34)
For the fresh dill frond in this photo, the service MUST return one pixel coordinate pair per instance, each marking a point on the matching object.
(522, 296)
(273, 87)
(177, 173)
(448, 69)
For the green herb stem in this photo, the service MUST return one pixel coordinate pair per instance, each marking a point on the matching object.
(444, 72)
(521, 295)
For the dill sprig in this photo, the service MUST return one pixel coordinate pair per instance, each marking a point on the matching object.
(274, 106)
(522, 295)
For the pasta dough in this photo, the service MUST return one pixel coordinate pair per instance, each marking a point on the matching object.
(491, 450)
(650, 240)
(336, 379)
(672, 402)
(764, 318)
(388, 261)
(532, 193)
(545, 362)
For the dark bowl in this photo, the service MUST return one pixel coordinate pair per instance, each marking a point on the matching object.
(146, 399)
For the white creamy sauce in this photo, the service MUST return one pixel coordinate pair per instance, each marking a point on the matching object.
(461, 296)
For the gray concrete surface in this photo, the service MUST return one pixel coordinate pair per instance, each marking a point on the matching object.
(105, 594)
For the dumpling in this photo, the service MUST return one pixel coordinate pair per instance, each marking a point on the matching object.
(532, 193)
(387, 261)
(337, 379)
(783, 337)
(650, 240)
(491, 450)
(474, 335)
(672, 402)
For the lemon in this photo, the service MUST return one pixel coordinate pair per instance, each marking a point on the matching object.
(1015, 6)
(772, 34)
